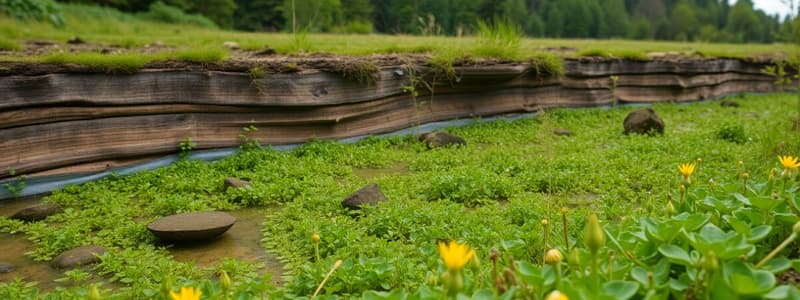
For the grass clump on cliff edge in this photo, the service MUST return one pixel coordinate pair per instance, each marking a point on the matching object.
(130, 62)
(9, 45)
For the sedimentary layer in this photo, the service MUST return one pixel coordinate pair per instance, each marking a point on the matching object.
(68, 121)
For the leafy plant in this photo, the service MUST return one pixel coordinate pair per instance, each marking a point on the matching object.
(731, 132)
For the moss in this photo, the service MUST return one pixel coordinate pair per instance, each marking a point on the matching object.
(108, 62)
(547, 65)
(363, 71)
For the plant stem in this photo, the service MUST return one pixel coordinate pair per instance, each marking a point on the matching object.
(775, 251)
(324, 280)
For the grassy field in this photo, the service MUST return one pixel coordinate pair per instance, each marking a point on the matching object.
(109, 27)
(493, 193)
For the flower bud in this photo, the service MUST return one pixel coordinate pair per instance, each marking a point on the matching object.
(670, 208)
(710, 262)
(225, 280)
(545, 222)
(682, 189)
(745, 175)
(315, 238)
(553, 257)
(563, 210)
(94, 293)
(593, 236)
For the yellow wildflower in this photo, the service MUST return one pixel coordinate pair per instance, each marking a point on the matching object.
(789, 162)
(455, 255)
(556, 295)
(187, 293)
(686, 169)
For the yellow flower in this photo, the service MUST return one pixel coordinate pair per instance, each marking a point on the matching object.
(187, 293)
(455, 255)
(686, 169)
(556, 295)
(789, 162)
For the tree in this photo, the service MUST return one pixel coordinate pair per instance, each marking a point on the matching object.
(258, 15)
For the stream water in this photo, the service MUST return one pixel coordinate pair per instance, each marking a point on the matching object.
(241, 242)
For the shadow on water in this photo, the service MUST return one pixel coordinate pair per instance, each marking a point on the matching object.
(242, 242)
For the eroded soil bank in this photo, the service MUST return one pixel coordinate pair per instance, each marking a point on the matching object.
(66, 119)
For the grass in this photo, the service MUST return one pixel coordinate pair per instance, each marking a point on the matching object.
(496, 40)
(492, 194)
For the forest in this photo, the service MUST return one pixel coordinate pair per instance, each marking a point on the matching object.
(680, 20)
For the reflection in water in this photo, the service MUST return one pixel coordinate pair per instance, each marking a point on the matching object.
(242, 242)
(12, 250)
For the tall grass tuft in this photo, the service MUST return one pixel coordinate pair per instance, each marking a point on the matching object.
(500, 39)
(9, 45)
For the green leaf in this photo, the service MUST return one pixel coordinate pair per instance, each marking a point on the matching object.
(620, 290)
(484, 294)
(745, 281)
(784, 292)
(777, 265)
(675, 254)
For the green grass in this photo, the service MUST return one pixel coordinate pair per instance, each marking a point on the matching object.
(498, 40)
(492, 194)
(9, 45)
(626, 54)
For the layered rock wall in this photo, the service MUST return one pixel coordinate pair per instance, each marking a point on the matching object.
(81, 121)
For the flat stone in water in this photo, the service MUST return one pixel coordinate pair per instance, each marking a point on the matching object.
(79, 256)
(191, 227)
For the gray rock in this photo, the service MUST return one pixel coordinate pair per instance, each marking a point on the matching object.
(191, 227)
(38, 212)
(232, 182)
(77, 257)
(729, 103)
(6, 267)
(438, 139)
(368, 195)
(643, 121)
(563, 132)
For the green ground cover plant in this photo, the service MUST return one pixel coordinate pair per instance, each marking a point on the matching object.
(511, 197)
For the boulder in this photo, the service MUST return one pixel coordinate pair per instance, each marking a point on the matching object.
(6, 267)
(438, 139)
(729, 103)
(563, 132)
(643, 121)
(233, 182)
(191, 227)
(37, 213)
(368, 195)
(84, 255)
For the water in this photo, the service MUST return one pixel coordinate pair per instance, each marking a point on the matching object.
(241, 242)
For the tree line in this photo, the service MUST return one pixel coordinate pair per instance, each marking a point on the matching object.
(683, 20)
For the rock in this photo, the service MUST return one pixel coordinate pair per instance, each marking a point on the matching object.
(563, 132)
(77, 257)
(191, 227)
(6, 267)
(231, 45)
(267, 51)
(751, 115)
(368, 195)
(76, 41)
(729, 103)
(233, 182)
(38, 212)
(643, 121)
(438, 139)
